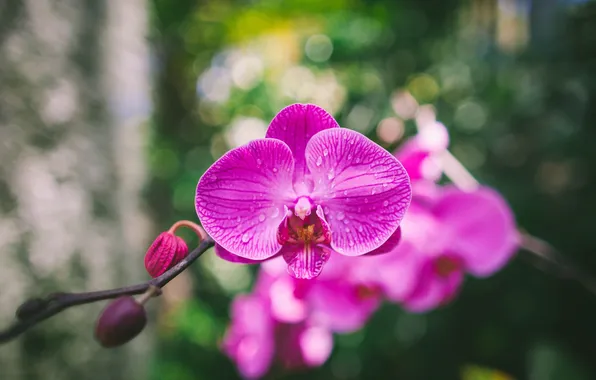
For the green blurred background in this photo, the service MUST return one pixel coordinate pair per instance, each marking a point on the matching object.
(514, 81)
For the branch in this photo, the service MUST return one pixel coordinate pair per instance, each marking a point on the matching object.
(36, 310)
(562, 266)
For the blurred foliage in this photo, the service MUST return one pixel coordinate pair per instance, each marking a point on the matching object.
(515, 83)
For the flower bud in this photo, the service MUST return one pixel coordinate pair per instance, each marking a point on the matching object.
(166, 251)
(123, 319)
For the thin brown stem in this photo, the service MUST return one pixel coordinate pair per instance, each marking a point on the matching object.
(559, 264)
(37, 310)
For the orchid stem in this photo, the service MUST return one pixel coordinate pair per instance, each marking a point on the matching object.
(193, 226)
(456, 172)
(36, 310)
(564, 268)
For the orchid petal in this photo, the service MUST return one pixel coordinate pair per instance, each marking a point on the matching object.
(389, 245)
(226, 255)
(316, 344)
(305, 261)
(482, 227)
(240, 198)
(396, 272)
(295, 125)
(433, 290)
(412, 158)
(250, 341)
(363, 189)
(337, 306)
(285, 306)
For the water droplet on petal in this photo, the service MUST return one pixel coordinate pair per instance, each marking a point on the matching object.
(365, 200)
(259, 162)
(325, 152)
(261, 217)
(238, 219)
(319, 161)
(350, 156)
(359, 209)
(347, 230)
(340, 215)
(358, 160)
(385, 185)
(345, 192)
(245, 238)
(330, 175)
(252, 208)
(346, 221)
(360, 229)
(372, 192)
(274, 170)
(351, 243)
(386, 203)
(275, 213)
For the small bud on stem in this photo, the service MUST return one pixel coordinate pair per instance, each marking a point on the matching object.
(168, 249)
(123, 319)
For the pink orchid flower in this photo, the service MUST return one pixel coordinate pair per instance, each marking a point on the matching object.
(456, 232)
(418, 153)
(308, 190)
(269, 325)
(250, 339)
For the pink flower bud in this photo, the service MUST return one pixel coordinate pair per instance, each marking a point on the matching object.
(123, 319)
(166, 251)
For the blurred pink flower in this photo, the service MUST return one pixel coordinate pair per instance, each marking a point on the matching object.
(271, 324)
(418, 153)
(307, 190)
(249, 341)
(332, 301)
(444, 237)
